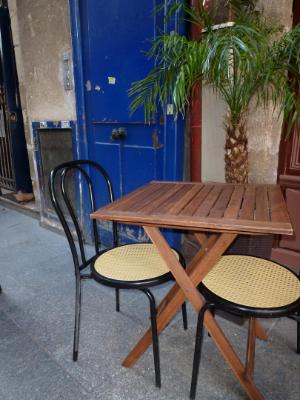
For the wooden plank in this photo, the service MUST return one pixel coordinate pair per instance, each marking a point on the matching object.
(135, 196)
(250, 356)
(235, 202)
(247, 210)
(192, 206)
(165, 195)
(196, 223)
(206, 244)
(175, 201)
(262, 211)
(205, 207)
(220, 206)
(202, 238)
(185, 199)
(278, 210)
(175, 267)
(154, 196)
(260, 331)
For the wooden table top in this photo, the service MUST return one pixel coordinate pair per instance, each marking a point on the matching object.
(254, 209)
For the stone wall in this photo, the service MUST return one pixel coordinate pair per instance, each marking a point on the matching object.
(41, 35)
(264, 127)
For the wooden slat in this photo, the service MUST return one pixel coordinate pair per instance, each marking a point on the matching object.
(165, 194)
(247, 210)
(278, 208)
(185, 200)
(190, 208)
(235, 202)
(155, 196)
(174, 201)
(204, 209)
(262, 212)
(134, 197)
(222, 202)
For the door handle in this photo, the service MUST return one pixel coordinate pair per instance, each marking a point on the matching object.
(119, 134)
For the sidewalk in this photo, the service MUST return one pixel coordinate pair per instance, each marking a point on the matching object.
(36, 333)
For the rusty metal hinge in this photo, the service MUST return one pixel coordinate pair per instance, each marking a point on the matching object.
(155, 141)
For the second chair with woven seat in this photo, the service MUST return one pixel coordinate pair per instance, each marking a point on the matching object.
(250, 287)
(132, 266)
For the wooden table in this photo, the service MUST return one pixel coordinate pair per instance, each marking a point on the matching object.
(216, 214)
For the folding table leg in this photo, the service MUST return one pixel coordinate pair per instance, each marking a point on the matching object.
(188, 282)
(249, 370)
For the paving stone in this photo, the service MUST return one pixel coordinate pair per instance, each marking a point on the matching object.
(29, 373)
(36, 333)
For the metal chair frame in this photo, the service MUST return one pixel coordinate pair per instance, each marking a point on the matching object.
(214, 302)
(81, 263)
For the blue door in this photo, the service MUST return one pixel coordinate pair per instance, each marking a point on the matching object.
(114, 38)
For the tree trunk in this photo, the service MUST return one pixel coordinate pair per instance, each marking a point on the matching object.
(236, 152)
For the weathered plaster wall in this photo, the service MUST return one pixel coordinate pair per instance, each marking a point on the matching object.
(41, 35)
(213, 136)
(264, 127)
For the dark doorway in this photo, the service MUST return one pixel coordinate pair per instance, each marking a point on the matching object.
(14, 165)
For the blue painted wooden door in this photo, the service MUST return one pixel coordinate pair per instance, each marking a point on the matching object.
(115, 36)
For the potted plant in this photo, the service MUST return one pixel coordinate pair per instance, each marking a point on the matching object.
(247, 61)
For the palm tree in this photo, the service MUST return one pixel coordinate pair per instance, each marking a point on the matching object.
(249, 60)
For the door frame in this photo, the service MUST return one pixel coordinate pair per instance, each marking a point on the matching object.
(286, 143)
(286, 177)
(81, 148)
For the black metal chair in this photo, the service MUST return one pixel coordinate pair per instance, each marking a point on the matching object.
(133, 266)
(249, 287)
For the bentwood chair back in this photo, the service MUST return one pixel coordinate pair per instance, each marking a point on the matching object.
(131, 266)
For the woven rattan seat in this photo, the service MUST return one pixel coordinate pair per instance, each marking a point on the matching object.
(253, 282)
(132, 262)
(250, 287)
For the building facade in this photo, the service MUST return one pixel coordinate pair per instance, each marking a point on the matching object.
(71, 57)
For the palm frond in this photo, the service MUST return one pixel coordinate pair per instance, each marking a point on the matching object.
(243, 61)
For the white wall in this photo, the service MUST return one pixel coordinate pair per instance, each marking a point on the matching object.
(213, 136)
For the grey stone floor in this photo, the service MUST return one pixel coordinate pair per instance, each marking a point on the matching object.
(36, 328)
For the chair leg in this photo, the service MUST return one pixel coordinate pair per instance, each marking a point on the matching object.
(77, 318)
(117, 299)
(184, 316)
(298, 333)
(154, 336)
(198, 347)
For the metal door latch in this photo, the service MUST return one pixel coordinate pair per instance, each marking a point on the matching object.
(119, 134)
(67, 74)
